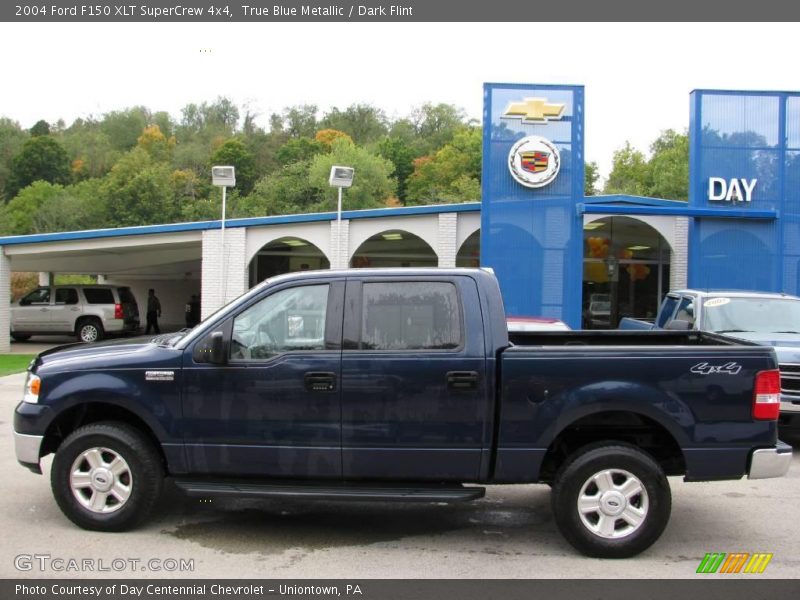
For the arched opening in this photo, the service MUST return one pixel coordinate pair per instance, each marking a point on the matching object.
(394, 248)
(469, 255)
(286, 255)
(725, 245)
(626, 266)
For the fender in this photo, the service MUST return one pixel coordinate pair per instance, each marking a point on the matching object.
(158, 407)
(535, 425)
(619, 396)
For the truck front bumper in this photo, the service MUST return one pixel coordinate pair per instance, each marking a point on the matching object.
(27, 450)
(770, 462)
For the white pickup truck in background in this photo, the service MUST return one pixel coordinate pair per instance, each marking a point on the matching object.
(767, 319)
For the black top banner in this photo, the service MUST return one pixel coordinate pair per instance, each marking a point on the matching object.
(397, 11)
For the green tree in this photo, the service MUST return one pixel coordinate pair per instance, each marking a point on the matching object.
(372, 186)
(123, 127)
(296, 121)
(12, 137)
(90, 150)
(664, 175)
(400, 151)
(234, 152)
(590, 177)
(210, 119)
(285, 191)
(362, 122)
(156, 144)
(452, 174)
(630, 173)
(45, 207)
(140, 191)
(669, 166)
(299, 149)
(40, 159)
(436, 124)
(40, 128)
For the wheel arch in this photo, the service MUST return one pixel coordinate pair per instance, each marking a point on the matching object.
(95, 411)
(615, 426)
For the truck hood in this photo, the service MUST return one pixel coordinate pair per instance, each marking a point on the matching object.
(78, 357)
(787, 345)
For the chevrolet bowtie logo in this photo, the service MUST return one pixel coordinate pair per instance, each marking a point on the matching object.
(533, 110)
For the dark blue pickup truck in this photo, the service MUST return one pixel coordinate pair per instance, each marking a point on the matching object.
(400, 385)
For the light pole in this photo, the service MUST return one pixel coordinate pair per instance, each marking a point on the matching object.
(223, 177)
(340, 177)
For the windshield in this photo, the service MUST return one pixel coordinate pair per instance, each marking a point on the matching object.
(758, 315)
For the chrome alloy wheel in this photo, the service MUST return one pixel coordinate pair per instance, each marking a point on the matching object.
(89, 333)
(101, 480)
(613, 503)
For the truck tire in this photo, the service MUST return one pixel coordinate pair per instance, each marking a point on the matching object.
(89, 330)
(106, 476)
(20, 337)
(611, 500)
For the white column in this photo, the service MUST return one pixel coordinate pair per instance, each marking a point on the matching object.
(5, 303)
(447, 240)
(678, 269)
(45, 279)
(215, 293)
(339, 250)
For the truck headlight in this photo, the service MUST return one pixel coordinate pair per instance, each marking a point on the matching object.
(32, 386)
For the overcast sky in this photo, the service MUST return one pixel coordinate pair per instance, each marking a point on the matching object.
(637, 76)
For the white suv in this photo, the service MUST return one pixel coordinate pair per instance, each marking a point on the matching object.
(88, 311)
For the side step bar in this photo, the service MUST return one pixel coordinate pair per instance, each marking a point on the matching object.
(328, 491)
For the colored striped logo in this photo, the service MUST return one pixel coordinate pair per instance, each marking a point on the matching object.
(735, 562)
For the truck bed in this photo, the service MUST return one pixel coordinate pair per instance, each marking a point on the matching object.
(694, 387)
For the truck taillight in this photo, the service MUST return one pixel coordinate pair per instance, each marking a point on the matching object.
(118, 311)
(767, 395)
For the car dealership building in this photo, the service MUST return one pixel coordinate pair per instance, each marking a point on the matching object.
(555, 251)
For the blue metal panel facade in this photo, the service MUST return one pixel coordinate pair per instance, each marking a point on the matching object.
(532, 237)
(755, 137)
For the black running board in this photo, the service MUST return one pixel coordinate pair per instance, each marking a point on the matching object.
(328, 491)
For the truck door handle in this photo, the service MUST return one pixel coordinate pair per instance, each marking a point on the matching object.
(318, 381)
(462, 380)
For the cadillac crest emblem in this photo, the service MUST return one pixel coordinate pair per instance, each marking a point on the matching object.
(534, 161)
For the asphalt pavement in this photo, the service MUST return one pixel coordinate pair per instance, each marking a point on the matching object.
(508, 534)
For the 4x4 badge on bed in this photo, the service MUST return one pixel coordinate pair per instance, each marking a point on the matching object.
(704, 368)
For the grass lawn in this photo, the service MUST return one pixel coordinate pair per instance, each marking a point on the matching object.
(14, 363)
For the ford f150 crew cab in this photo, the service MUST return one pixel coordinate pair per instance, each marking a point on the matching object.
(400, 385)
(763, 318)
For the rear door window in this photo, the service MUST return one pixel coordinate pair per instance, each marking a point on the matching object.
(66, 296)
(99, 295)
(422, 315)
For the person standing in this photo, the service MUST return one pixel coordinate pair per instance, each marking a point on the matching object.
(153, 312)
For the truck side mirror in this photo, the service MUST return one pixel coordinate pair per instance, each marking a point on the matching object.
(678, 325)
(217, 348)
